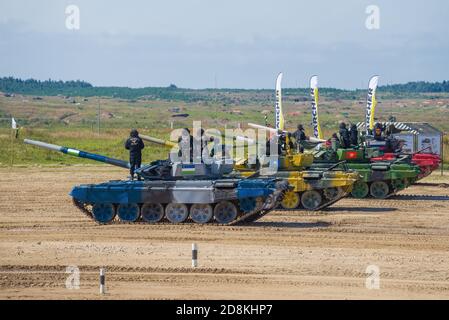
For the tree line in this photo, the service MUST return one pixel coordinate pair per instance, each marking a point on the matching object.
(172, 92)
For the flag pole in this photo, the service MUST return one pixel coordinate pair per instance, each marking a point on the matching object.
(11, 146)
(13, 127)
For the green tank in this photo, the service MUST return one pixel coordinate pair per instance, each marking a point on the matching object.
(379, 179)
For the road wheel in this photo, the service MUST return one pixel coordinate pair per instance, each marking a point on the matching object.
(399, 184)
(103, 212)
(291, 200)
(225, 212)
(332, 193)
(201, 213)
(311, 199)
(176, 212)
(128, 212)
(152, 212)
(379, 189)
(360, 189)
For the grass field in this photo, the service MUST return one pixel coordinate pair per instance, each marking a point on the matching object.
(74, 122)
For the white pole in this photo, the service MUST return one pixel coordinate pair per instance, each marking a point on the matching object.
(194, 255)
(102, 281)
(12, 147)
(99, 117)
(442, 153)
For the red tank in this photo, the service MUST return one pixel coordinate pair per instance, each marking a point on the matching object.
(427, 162)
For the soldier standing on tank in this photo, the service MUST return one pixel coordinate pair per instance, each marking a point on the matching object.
(185, 144)
(344, 136)
(378, 132)
(393, 144)
(200, 148)
(300, 137)
(354, 135)
(282, 143)
(135, 145)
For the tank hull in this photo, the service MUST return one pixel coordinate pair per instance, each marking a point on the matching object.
(426, 162)
(379, 178)
(249, 198)
(326, 186)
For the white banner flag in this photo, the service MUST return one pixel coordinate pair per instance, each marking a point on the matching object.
(371, 103)
(315, 119)
(279, 116)
(13, 123)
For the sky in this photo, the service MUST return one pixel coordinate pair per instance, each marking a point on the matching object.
(225, 44)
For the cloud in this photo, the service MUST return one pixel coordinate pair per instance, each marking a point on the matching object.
(240, 48)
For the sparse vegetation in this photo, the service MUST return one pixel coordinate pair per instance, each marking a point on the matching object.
(72, 120)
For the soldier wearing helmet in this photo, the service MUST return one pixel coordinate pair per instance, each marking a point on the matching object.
(300, 137)
(354, 135)
(344, 136)
(135, 145)
(378, 132)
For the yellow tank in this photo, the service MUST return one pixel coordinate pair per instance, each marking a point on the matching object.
(313, 189)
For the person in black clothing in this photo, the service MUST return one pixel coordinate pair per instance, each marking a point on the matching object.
(344, 136)
(353, 135)
(135, 145)
(299, 136)
(282, 143)
(378, 132)
(194, 149)
(393, 144)
(337, 141)
(185, 143)
(200, 148)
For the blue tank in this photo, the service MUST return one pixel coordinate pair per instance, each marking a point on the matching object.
(175, 192)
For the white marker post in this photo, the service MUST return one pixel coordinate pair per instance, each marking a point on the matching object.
(102, 281)
(194, 255)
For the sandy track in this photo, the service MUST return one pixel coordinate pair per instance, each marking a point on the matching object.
(285, 255)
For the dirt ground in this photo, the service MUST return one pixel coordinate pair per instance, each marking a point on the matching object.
(285, 255)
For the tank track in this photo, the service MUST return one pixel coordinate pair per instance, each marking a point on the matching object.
(433, 184)
(389, 195)
(324, 205)
(260, 212)
(257, 213)
(331, 202)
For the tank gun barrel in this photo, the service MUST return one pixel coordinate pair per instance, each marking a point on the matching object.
(166, 143)
(171, 144)
(258, 126)
(273, 130)
(233, 138)
(78, 153)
